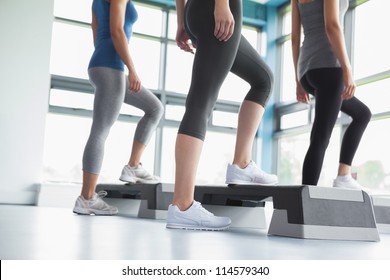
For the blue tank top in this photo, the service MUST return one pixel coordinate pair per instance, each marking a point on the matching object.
(105, 54)
(316, 51)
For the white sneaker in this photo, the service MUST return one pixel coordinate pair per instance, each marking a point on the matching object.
(250, 175)
(96, 205)
(347, 182)
(196, 218)
(137, 175)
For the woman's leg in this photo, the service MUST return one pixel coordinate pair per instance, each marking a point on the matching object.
(249, 66)
(154, 110)
(212, 62)
(146, 101)
(361, 116)
(327, 85)
(187, 154)
(109, 93)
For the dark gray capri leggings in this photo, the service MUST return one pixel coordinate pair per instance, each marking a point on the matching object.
(213, 61)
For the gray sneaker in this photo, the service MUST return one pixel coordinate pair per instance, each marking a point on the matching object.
(96, 206)
(195, 218)
(250, 175)
(137, 174)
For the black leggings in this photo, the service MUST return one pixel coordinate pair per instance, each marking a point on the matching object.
(326, 84)
(213, 61)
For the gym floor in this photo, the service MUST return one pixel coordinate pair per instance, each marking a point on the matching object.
(49, 233)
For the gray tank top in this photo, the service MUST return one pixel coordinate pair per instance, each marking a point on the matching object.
(316, 50)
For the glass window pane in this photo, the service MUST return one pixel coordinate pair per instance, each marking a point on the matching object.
(292, 151)
(174, 112)
(251, 34)
(375, 95)
(71, 99)
(233, 88)
(371, 48)
(146, 56)
(65, 140)
(225, 119)
(71, 49)
(179, 69)
(168, 155)
(150, 20)
(295, 119)
(74, 9)
(371, 162)
(288, 73)
(172, 21)
(209, 172)
(286, 29)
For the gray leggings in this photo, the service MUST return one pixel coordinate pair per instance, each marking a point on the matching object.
(111, 90)
(214, 60)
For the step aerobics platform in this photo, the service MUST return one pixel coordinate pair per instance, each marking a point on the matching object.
(382, 212)
(299, 211)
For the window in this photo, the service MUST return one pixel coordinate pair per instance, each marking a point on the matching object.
(72, 46)
(161, 66)
(209, 171)
(371, 64)
(146, 56)
(179, 69)
(371, 40)
(372, 163)
(292, 152)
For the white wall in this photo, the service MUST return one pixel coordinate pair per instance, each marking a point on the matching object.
(25, 32)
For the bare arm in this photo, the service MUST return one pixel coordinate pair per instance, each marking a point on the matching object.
(117, 19)
(336, 39)
(301, 94)
(295, 35)
(182, 38)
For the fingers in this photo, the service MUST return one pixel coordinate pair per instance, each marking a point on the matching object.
(303, 98)
(185, 46)
(135, 86)
(183, 41)
(348, 92)
(224, 30)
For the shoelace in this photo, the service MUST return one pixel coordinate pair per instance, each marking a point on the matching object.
(101, 194)
(261, 171)
(198, 205)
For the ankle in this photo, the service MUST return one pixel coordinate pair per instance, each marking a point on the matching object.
(241, 164)
(344, 178)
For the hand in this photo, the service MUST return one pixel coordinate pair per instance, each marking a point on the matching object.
(224, 21)
(134, 82)
(183, 40)
(349, 85)
(302, 95)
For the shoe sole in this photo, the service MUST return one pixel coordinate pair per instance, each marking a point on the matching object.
(89, 213)
(232, 183)
(178, 226)
(139, 180)
(127, 181)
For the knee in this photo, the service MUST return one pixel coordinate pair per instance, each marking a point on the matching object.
(156, 112)
(364, 115)
(261, 88)
(159, 111)
(264, 80)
